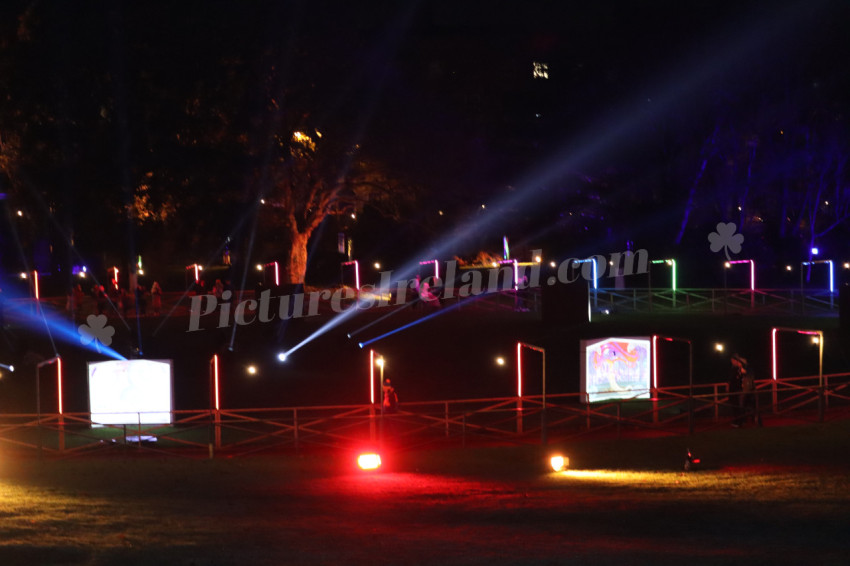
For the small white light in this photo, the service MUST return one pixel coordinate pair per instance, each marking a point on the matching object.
(719, 347)
(281, 357)
(500, 361)
(252, 370)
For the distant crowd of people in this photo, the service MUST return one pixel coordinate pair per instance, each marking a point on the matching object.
(115, 299)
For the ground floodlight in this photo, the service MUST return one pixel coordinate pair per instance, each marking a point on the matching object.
(369, 461)
(281, 357)
(559, 463)
(360, 345)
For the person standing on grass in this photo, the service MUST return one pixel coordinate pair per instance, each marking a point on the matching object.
(156, 298)
(389, 404)
(742, 392)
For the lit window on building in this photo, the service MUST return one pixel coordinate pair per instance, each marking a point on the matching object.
(541, 70)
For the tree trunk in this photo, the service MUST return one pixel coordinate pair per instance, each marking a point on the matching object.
(296, 268)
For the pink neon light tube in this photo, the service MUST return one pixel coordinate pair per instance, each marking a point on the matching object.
(216, 382)
(372, 376)
(773, 351)
(654, 361)
(59, 382)
(752, 271)
(519, 369)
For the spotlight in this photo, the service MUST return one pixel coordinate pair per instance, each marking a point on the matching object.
(559, 463)
(369, 461)
(281, 356)
(360, 345)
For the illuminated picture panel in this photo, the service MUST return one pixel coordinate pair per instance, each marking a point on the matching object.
(615, 368)
(130, 392)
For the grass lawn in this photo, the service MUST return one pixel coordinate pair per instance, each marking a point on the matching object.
(761, 496)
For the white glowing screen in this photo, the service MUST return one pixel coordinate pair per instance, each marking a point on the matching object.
(130, 392)
(615, 368)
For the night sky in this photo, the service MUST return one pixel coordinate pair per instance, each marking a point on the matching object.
(655, 121)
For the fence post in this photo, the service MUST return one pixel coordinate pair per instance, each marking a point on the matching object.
(716, 403)
(295, 427)
(62, 432)
(826, 392)
(619, 405)
(775, 398)
(372, 427)
(217, 418)
(210, 436)
(519, 415)
(463, 431)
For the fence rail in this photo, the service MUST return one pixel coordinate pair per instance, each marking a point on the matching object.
(673, 411)
(716, 301)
